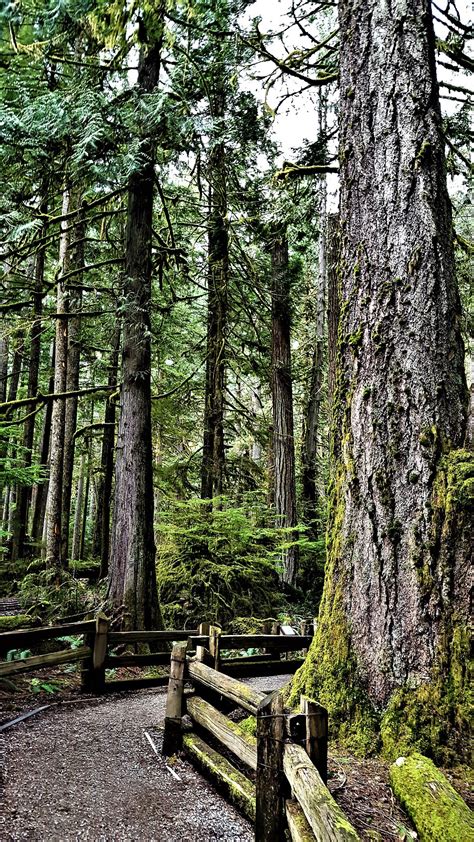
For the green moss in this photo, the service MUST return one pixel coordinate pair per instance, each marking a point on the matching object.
(19, 621)
(434, 717)
(236, 786)
(355, 339)
(330, 673)
(248, 726)
(437, 811)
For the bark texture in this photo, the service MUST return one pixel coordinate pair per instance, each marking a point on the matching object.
(58, 415)
(72, 377)
(213, 460)
(396, 589)
(132, 580)
(282, 403)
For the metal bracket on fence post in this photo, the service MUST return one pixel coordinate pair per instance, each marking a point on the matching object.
(172, 739)
(269, 821)
(316, 734)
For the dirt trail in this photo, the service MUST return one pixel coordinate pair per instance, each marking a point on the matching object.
(87, 772)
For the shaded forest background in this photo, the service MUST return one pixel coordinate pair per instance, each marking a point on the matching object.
(163, 265)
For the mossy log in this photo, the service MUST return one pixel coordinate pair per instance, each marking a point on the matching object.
(53, 659)
(298, 827)
(437, 811)
(237, 788)
(227, 732)
(325, 817)
(228, 687)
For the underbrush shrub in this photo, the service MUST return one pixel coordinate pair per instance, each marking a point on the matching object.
(216, 565)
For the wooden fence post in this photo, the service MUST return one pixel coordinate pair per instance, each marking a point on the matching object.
(214, 647)
(99, 653)
(316, 743)
(306, 628)
(269, 821)
(276, 630)
(172, 739)
(86, 664)
(202, 653)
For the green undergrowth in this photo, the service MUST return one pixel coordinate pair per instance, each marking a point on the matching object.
(437, 811)
(55, 592)
(215, 565)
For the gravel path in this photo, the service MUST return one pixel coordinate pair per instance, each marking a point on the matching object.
(87, 772)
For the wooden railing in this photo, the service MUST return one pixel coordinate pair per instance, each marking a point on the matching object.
(288, 754)
(208, 642)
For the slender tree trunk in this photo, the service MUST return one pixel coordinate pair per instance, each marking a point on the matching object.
(213, 461)
(3, 366)
(40, 491)
(72, 379)
(56, 462)
(393, 621)
(101, 540)
(311, 416)
(256, 409)
(85, 506)
(24, 492)
(132, 578)
(282, 402)
(77, 531)
(14, 382)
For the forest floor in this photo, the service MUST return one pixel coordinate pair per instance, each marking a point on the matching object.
(84, 770)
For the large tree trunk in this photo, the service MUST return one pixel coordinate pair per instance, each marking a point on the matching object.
(284, 473)
(55, 488)
(392, 631)
(213, 459)
(72, 378)
(132, 579)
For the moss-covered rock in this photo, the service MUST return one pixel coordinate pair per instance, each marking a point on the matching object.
(437, 811)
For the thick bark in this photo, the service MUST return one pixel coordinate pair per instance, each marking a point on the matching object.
(132, 579)
(282, 402)
(55, 488)
(213, 459)
(396, 590)
(72, 379)
(333, 244)
(24, 492)
(101, 537)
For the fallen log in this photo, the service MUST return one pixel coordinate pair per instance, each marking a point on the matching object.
(227, 732)
(235, 786)
(437, 811)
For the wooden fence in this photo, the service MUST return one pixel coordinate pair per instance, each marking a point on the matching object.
(208, 641)
(288, 754)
